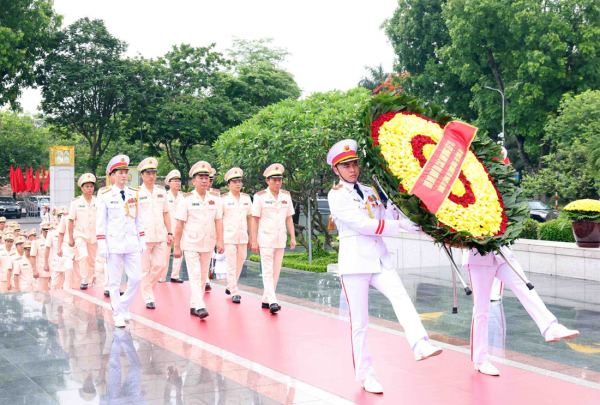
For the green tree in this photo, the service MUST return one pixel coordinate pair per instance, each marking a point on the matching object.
(87, 86)
(297, 134)
(23, 142)
(258, 51)
(550, 47)
(27, 30)
(377, 75)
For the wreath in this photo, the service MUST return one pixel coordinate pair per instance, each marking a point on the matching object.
(485, 208)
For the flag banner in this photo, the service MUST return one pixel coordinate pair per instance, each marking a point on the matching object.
(443, 167)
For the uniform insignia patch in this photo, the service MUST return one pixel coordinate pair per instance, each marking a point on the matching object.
(187, 195)
(105, 190)
(262, 192)
(245, 194)
(216, 193)
(338, 186)
(284, 202)
(284, 191)
(160, 196)
(211, 202)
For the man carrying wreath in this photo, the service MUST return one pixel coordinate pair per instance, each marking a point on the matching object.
(364, 260)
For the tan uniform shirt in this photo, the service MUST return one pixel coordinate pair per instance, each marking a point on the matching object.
(84, 218)
(173, 201)
(38, 250)
(199, 215)
(67, 251)
(23, 268)
(272, 212)
(235, 218)
(153, 205)
(6, 265)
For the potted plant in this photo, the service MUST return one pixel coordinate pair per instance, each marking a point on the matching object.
(585, 215)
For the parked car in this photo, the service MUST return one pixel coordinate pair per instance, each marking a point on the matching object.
(9, 208)
(542, 212)
(35, 203)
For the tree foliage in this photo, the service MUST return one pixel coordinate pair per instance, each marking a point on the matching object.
(87, 86)
(297, 134)
(23, 142)
(27, 30)
(453, 48)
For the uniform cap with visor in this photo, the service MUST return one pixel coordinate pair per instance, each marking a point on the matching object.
(343, 151)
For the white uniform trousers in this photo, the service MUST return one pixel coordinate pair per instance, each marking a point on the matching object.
(176, 265)
(356, 289)
(153, 265)
(497, 288)
(86, 259)
(270, 261)
(482, 279)
(235, 257)
(132, 265)
(197, 266)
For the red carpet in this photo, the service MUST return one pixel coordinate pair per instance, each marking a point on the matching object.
(316, 349)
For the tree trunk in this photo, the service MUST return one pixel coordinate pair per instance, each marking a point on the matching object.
(523, 154)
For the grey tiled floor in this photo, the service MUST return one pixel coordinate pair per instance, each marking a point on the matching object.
(52, 352)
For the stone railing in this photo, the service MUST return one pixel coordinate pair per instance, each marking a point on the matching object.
(535, 256)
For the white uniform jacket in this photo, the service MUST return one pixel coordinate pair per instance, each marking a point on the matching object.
(361, 223)
(474, 258)
(119, 222)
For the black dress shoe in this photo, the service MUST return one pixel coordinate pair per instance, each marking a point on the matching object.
(227, 291)
(83, 287)
(202, 313)
(208, 287)
(236, 299)
(176, 280)
(193, 311)
(121, 292)
(265, 306)
(150, 305)
(274, 308)
(106, 293)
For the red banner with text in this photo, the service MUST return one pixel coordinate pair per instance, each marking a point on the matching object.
(443, 167)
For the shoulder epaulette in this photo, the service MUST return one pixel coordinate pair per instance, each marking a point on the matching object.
(216, 193)
(160, 188)
(261, 192)
(224, 194)
(185, 195)
(134, 188)
(338, 186)
(284, 191)
(104, 190)
(245, 194)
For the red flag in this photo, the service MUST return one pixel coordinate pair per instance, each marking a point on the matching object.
(36, 183)
(17, 182)
(31, 178)
(22, 186)
(27, 182)
(47, 182)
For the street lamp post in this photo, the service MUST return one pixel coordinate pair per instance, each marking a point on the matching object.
(503, 101)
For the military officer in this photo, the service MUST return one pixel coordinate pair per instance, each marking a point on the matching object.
(22, 270)
(31, 235)
(101, 267)
(31, 261)
(237, 218)
(154, 207)
(82, 228)
(364, 260)
(53, 262)
(483, 270)
(38, 252)
(46, 216)
(121, 237)
(272, 212)
(16, 230)
(2, 225)
(211, 180)
(6, 263)
(65, 252)
(199, 230)
(173, 179)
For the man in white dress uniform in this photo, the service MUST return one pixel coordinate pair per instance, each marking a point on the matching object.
(120, 234)
(364, 260)
(483, 270)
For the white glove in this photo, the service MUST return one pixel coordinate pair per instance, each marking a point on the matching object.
(102, 250)
(142, 244)
(409, 226)
(392, 209)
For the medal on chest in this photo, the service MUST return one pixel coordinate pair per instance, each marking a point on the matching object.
(131, 206)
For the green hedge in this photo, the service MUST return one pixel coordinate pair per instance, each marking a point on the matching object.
(531, 230)
(557, 231)
(299, 261)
